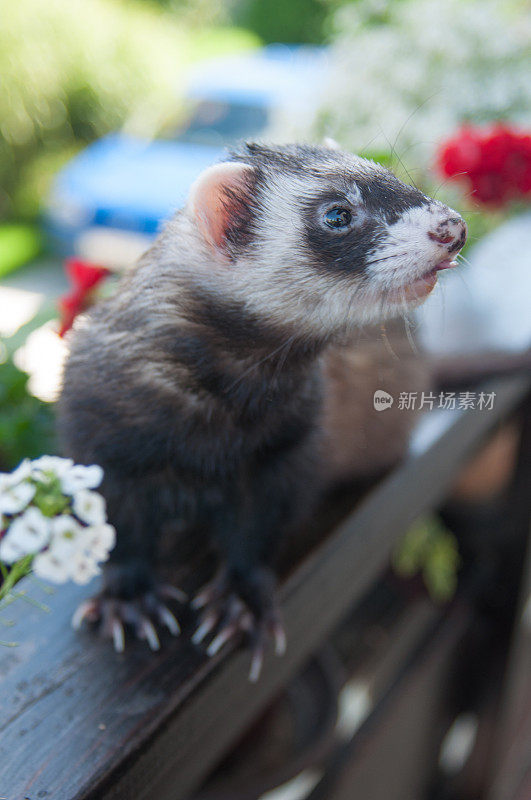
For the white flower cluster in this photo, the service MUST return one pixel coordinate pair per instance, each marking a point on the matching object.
(406, 74)
(50, 511)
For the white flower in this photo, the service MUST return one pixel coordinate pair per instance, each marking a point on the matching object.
(63, 547)
(475, 72)
(81, 477)
(30, 532)
(83, 568)
(89, 507)
(54, 464)
(51, 568)
(66, 536)
(15, 498)
(26, 535)
(10, 551)
(22, 472)
(97, 540)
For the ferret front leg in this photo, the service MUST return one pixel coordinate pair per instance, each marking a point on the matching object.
(131, 596)
(243, 596)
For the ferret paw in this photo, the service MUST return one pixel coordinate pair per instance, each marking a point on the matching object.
(225, 615)
(141, 614)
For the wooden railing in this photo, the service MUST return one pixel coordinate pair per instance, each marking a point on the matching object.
(80, 722)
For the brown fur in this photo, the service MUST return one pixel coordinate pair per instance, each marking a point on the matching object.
(359, 441)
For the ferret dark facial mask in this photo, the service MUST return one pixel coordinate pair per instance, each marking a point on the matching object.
(323, 238)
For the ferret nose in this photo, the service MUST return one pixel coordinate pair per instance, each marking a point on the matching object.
(450, 232)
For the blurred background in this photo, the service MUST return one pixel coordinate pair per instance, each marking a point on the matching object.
(109, 109)
(403, 75)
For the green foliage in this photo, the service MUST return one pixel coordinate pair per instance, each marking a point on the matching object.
(18, 245)
(431, 550)
(280, 21)
(10, 577)
(49, 497)
(26, 423)
(73, 70)
(198, 12)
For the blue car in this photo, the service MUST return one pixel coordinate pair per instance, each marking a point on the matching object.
(109, 201)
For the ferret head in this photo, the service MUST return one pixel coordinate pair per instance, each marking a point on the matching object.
(321, 238)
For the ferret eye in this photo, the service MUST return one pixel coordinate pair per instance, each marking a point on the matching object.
(338, 217)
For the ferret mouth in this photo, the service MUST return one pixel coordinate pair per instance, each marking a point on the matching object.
(420, 288)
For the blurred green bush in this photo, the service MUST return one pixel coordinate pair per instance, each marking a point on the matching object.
(27, 424)
(297, 21)
(18, 245)
(73, 70)
(290, 21)
(27, 428)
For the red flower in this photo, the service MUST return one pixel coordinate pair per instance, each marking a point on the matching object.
(494, 163)
(84, 277)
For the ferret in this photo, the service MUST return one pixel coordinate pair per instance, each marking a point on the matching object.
(204, 386)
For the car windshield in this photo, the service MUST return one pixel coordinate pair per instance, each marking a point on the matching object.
(220, 123)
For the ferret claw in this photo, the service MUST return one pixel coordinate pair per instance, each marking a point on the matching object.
(87, 610)
(221, 639)
(276, 630)
(118, 636)
(113, 614)
(167, 590)
(257, 663)
(167, 618)
(211, 592)
(206, 627)
(148, 632)
(244, 623)
(200, 601)
(224, 612)
(279, 637)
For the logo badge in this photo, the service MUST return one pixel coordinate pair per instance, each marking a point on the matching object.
(382, 400)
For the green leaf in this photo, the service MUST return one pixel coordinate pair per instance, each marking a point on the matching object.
(429, 549)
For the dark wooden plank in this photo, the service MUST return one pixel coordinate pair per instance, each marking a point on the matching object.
(376, 647)
(394, 755)
(511, 765)
(501, 752)
(524, 791)
(81, 722)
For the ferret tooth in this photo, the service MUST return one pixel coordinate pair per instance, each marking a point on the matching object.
(150, 634)
(169, 620)
(118, 636)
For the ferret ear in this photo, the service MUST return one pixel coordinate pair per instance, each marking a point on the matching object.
(220, 201)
